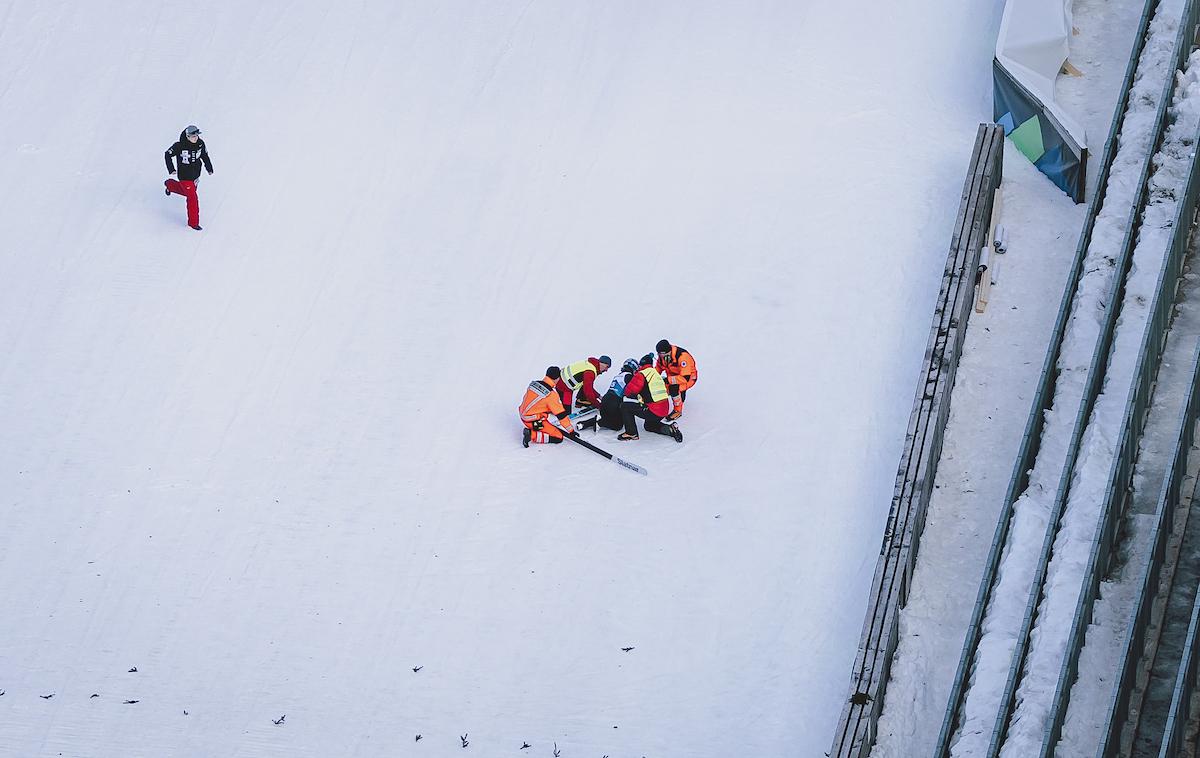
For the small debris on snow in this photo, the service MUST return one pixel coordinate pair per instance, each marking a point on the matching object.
(464, 740)
(46, 697)
(94, 694)
(626, 649)
(417, 668)
(557, 752)
(418, 739)
(279, 720)
(131, 702)
(524, 745)
(132, 670)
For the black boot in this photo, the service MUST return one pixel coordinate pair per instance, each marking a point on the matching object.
(525, 437)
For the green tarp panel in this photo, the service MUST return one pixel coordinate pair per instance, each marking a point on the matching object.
(1036, 134)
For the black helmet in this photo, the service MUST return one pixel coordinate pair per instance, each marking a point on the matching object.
(554, 372)
(647, 360)
(630, 365)
(662, 347)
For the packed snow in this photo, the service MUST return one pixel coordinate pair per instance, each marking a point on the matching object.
(274, 466)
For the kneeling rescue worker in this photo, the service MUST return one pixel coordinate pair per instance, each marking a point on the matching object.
(680, 368)
(539, 403)
(578, 382)
(646, 396)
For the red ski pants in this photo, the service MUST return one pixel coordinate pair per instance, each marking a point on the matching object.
(188, 190)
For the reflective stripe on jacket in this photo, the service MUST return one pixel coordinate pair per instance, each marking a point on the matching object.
(572, 375)
(654, 386)
(541, 401)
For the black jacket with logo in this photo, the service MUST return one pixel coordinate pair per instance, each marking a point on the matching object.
(188, 156)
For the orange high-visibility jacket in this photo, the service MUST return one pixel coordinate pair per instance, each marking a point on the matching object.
(678, 364)
(540, 401)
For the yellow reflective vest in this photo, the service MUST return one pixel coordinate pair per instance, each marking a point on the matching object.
(654, 383)
(570, 375)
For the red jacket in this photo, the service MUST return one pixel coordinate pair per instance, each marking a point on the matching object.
(637, 390)
(587, 380)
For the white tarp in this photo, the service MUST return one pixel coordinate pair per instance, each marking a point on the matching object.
(1032, 47)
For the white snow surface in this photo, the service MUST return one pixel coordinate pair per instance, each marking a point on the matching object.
(1032, 510)
(1105, 31)
(275, 465)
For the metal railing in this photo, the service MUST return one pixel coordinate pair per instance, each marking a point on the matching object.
(1185, 687)
(1030, 444)
(1120, 479)
(1169, 498)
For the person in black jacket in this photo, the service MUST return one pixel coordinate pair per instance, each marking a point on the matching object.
(610, 404)
(189, 152)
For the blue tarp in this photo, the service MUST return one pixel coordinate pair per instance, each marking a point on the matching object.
(1036, 133)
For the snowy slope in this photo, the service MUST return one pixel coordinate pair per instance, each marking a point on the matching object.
(275, 465)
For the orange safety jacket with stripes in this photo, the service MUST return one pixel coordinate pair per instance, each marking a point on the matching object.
(540, 402)
(679, 366)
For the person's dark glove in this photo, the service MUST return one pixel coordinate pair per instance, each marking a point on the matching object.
(210, 172)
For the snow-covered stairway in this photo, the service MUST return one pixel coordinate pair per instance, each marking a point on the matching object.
(1138, 644)
(1053, 538)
